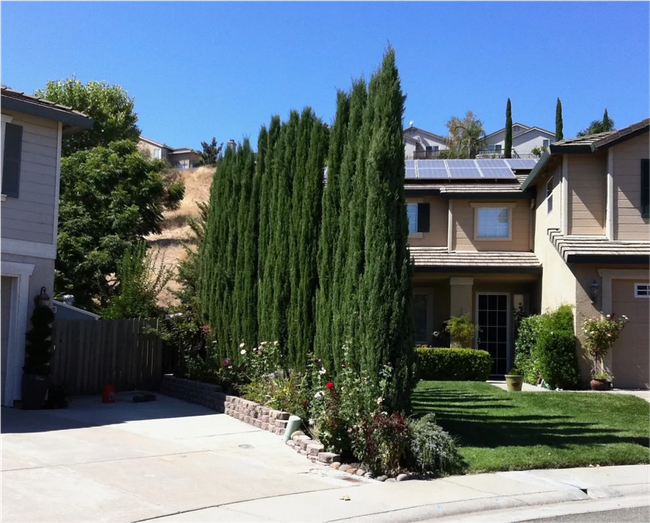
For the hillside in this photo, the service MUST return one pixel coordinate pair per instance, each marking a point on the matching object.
(175, 231)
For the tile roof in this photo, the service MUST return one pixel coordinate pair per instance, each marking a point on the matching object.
(471, 187)
(19, 95)
(572, 248)
(442, 257)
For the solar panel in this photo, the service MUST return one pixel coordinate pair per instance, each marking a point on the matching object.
(456, 173)
(490, 164)
(410, 172)
(501, 172)
(435, 173)
(409, 164)
(521, 164)
(461, 164)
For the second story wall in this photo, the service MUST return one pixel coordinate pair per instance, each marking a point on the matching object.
(629, 223)
(438, 217)
(587, 185)
(31, 216)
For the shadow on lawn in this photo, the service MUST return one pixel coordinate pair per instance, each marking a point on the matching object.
(490, 431)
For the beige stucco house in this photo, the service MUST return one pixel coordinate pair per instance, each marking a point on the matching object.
(180, 158)
(421, 145)
(525, 140)
(32, 129)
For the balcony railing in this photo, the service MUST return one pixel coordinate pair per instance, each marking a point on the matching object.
(500, 154)
(426, 155)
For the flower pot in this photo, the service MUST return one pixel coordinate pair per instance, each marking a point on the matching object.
(515, 382)
(600, 384)
(34, 390)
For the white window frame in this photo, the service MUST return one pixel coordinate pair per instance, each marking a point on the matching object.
(415, 233)
(546, 142)
(646, 290)
(5, 120)
(505, 205)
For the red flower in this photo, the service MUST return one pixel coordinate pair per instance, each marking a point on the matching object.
(329, 385)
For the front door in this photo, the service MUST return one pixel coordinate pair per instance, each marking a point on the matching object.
(492, 329)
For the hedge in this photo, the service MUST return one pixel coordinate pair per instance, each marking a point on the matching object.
(453, 364)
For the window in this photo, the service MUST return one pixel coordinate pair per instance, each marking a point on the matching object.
(493, 222)
(545, 143)
(429, 148)
(157, 152)
(420, 314)
(642, 290)
(436, 148)
(497, 148)
(11, 158)
(645, 188)
(549, 195)
(418, 216)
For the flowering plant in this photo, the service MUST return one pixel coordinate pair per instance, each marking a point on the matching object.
(600, 334)
(604, 375)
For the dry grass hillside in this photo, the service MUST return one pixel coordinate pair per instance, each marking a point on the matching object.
(175, 231)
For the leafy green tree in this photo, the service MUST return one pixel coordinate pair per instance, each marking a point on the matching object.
(210, 153)
(559, 125)
(111, 198)
(141, 276)
(507, 153)
(109, 106)
(599, 126)
(466, 136)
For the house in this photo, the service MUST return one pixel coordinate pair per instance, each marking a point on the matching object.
(524, 141)
(32, 129)
(490, 236)
(182, 158)
(592, 236)
(421, 145)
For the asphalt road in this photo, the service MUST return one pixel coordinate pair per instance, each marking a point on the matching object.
(623, 515)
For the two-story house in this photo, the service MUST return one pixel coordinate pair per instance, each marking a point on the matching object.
(592, 236)
(181, 158)
(525, 139)
(32, 129)
(421, 145)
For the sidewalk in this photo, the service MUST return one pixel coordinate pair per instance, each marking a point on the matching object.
(643, 394)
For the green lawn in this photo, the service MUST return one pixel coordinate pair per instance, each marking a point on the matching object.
(499, 430)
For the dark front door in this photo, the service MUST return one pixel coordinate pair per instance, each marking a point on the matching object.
(492, 335)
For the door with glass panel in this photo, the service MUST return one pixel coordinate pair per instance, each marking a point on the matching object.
(420, 308)
(492, 329)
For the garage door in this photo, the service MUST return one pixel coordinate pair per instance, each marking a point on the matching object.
(630, 360)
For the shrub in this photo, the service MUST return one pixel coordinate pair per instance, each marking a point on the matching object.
(600, 335)
(555, 354)
(280, 391)
(387, 441)
(525, 346)
(461, 329)
(453, 364)
(560, 319)
(433, 451)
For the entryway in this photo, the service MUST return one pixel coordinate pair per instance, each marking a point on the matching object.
(492, 313)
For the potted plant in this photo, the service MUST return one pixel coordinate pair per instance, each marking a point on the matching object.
(515, 380)
(601, 380)
(600, 335)
(461, 330)
(38, 351)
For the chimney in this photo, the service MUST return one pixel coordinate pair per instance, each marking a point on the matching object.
(232, 145)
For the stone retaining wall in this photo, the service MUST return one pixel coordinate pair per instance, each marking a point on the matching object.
(257, 415)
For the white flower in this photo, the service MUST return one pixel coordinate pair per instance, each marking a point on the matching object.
(322, 371)
(379, 401)
(242, 352)
(242, 345)
(608, 316)
(275, 343)
(311, 422)
(319, 394)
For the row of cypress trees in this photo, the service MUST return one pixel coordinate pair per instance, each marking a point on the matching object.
(310, 265)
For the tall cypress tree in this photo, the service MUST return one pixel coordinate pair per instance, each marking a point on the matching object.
(329, 233)
(508, 140)
(559, 125)
(387, 335)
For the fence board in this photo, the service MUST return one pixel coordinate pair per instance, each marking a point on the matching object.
(89, 354)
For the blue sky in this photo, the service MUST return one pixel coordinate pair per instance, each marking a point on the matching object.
(203, 69)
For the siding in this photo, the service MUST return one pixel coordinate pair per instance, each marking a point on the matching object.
(30, 217)
(587, 178)
(628, 223)
(463, 228)
(437, 235)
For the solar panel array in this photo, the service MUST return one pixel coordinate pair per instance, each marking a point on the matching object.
(465, 169)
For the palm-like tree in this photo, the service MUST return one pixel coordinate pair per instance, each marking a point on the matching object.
(466, 136)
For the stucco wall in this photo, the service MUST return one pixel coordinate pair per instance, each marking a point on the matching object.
(628, 222)
(437, 235)
(522, 143)
(587, 177)
(424, 139)
(43, 275)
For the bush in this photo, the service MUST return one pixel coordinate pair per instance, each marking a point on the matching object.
(387, 439)
(555, 354)
(525, 345)
(453, 364)
(433, 451)
(461, 329)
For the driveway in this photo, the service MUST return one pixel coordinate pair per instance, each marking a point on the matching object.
(130, 462)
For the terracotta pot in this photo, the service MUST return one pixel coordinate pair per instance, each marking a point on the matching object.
(515, 382)
(600, 384)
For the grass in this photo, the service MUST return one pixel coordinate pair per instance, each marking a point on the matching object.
(498, 430)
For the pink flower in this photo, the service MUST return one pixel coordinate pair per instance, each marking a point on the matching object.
(226, 362)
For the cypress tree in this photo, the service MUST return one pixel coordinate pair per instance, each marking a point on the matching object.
(608, 123)
(559, 125)
(508, 140)
(387, 335)
(329, 234)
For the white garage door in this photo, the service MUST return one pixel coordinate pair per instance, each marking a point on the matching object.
(630, 359)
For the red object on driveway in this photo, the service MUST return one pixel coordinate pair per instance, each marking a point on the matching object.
(108, 394)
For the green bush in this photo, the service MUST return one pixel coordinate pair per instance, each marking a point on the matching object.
(461, 330)
(453, 364)
(433, 451)
(560, 319)
(556, 356)
(525, 345)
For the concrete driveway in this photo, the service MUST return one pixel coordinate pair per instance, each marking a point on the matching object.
(130, 462)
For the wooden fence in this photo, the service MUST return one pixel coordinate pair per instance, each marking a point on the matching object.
(89, 354)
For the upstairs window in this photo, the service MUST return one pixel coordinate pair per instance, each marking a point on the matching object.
(645, 188)
(157, 152)
(419, 217)
(493, 223)
(11, 158)
(545, 143)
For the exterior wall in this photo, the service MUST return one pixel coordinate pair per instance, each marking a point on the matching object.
(31, 216)
(628, 222)
(439, 214)
(587, 177)
(522, 143)
(183, 160)
(464, 220)
(424, 139)
(148, 149)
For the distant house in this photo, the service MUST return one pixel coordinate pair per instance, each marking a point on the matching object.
(422, 145)
(32, 129)
(181, 158)
(524, 140)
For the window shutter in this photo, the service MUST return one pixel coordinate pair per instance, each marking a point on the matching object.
(645, 188)
(11, 162)
(423, 217)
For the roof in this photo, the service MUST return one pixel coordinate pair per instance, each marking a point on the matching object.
(437, 136)
(183, 150)
(526, 128)
(599, 249)
(72, 119)
(432, 259)
(76, 309)
(587, 144)
(157, 144)
(508, 188)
